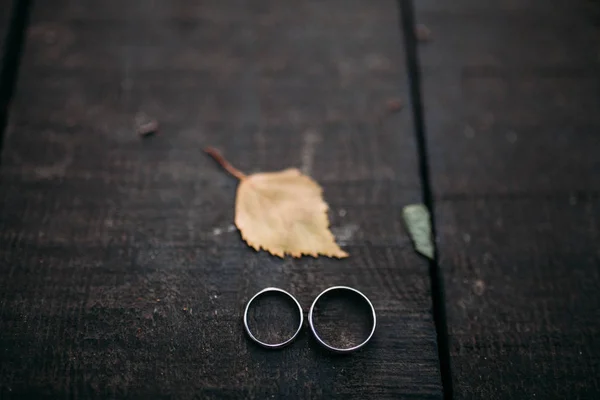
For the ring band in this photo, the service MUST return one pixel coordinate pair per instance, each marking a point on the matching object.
(273, 345)
(321, 341)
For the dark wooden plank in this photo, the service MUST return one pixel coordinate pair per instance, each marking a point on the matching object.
(120, 273)
(522, 296)
(511, 98)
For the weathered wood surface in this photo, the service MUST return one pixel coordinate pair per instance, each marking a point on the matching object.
(512, 98)
(119, 273)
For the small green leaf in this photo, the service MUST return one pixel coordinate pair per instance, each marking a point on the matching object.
(418, 222)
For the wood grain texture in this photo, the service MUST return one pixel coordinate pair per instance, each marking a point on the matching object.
(120, 274)
(511, 99)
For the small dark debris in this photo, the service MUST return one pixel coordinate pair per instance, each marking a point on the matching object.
(394, 106)
(145, 126)
(423, 33)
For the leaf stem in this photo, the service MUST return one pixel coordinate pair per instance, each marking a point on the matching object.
(214, 153)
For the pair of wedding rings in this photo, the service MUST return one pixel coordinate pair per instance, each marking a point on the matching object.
(310, 319)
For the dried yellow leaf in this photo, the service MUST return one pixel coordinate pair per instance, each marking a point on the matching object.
(282, 212)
